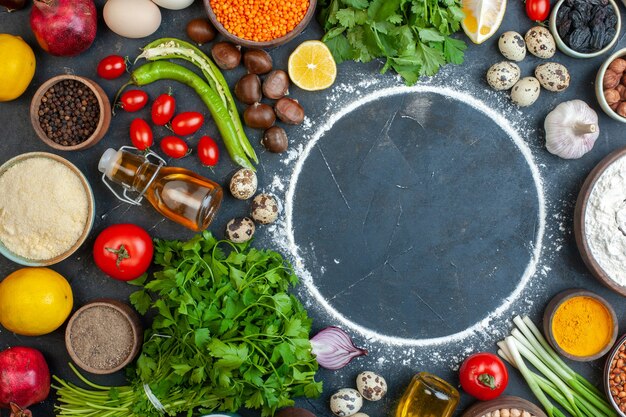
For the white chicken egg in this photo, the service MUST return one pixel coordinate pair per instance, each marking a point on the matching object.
(512, 46)
(503, 75)
(526, 91)
(346, 402)
(173, 4)
(540, 42)
(132, 18)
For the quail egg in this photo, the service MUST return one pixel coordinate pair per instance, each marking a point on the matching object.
(526, 91)
(512, 46)
(540, 42)
(264, 209)
(372, 386)
(503, 75)
(346, 402)
(243, 184)
(240, 230)
(552, 76)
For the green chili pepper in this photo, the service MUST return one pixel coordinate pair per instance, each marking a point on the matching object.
(160, 70)
(172, 48)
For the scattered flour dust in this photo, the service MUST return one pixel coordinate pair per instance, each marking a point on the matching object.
(451, 349)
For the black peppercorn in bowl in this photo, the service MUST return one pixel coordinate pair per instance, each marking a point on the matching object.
(70, 113)
(585, 28)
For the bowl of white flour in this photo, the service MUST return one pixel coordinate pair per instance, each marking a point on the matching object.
(600, 221)
(46, 210)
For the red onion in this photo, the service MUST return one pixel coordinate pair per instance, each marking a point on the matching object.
(64, 27)
(334, 349)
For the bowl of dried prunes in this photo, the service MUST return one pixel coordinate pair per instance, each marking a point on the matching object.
(585, 28)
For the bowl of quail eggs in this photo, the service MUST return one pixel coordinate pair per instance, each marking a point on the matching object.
(507, 75)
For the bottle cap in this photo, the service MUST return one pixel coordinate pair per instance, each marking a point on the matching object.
(107, 161)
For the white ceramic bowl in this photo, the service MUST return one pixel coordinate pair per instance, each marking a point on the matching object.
(600, 89)
(90, 210)
(569, 51)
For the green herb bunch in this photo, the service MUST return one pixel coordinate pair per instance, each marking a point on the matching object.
(412, 35)
(226, 334)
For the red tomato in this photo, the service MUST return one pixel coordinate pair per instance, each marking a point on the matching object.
(133, 100)
(187, 123)
(208, 152)
(141, 134)
(484, 376)
(123, 251)
(111, 67)
(174, 147)
(538, 10)
(163, 109)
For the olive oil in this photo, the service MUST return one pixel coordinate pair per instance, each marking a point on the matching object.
(177, 193)
(428, 396)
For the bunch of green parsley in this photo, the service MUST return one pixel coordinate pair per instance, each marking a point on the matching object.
(412, 35)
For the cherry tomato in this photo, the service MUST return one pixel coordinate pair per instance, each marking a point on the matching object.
(484, 376)
(187, 123)
(123, 251)
(538, 10)
(141, 134)
(174, 147)
(163, 109)
(133, 100)
(208, 152)
(111, 67)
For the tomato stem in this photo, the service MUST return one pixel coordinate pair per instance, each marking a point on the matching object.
(487, 380)
(121, 253)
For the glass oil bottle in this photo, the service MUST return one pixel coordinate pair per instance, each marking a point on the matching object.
(428, 396)
(177, 193)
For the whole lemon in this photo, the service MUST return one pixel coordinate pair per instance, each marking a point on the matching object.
(34, 301)
(17, 66)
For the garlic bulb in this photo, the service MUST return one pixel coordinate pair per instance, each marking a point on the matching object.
(571, 129)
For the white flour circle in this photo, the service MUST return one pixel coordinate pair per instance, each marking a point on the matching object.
(529, 272)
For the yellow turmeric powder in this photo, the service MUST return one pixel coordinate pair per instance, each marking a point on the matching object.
(582, 326)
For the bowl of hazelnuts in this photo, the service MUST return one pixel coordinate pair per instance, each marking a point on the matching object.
(611, 86)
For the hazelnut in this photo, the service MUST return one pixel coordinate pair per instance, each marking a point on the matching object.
(621, 109)
(614, 106)
(621, 89)
(611, 79)
(618, 65)
(613, 96)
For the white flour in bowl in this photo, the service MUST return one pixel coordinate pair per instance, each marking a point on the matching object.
(605, 221)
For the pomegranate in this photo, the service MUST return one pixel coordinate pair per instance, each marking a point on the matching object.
(24, 379)
(64, 27)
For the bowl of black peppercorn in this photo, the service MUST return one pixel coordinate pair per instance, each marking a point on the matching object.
(70, 113)
(585, 28)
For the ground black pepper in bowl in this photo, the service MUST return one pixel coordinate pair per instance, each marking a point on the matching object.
(69, 113)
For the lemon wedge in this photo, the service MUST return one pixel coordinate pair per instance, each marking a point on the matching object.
(482, 18)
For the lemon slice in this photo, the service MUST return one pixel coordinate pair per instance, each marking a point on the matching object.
(482, 18)
(312, 67)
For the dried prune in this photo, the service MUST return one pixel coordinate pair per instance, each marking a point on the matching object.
(578, 19)
(563, 12)
(579, 39)
(598, 34)
(564, 28)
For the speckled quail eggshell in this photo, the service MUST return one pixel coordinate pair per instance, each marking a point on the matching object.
(512, 46)
(503, 75)
(240, 230)
(372, 386)
(132, 18)
(553, 76)
(346, 402)
(540, 42)
(243, 184)
(526, 91)
(264, 209)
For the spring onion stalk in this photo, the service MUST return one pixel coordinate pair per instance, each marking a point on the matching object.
(574, 393)
(532, 383)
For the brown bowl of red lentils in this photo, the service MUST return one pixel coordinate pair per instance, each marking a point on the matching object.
(70, 113)
(260, 23)
(615, 377)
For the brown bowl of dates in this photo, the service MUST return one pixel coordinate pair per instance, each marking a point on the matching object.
(585, 28)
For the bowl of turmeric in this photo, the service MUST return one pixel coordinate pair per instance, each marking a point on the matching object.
(260, 23)
(580, 325)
